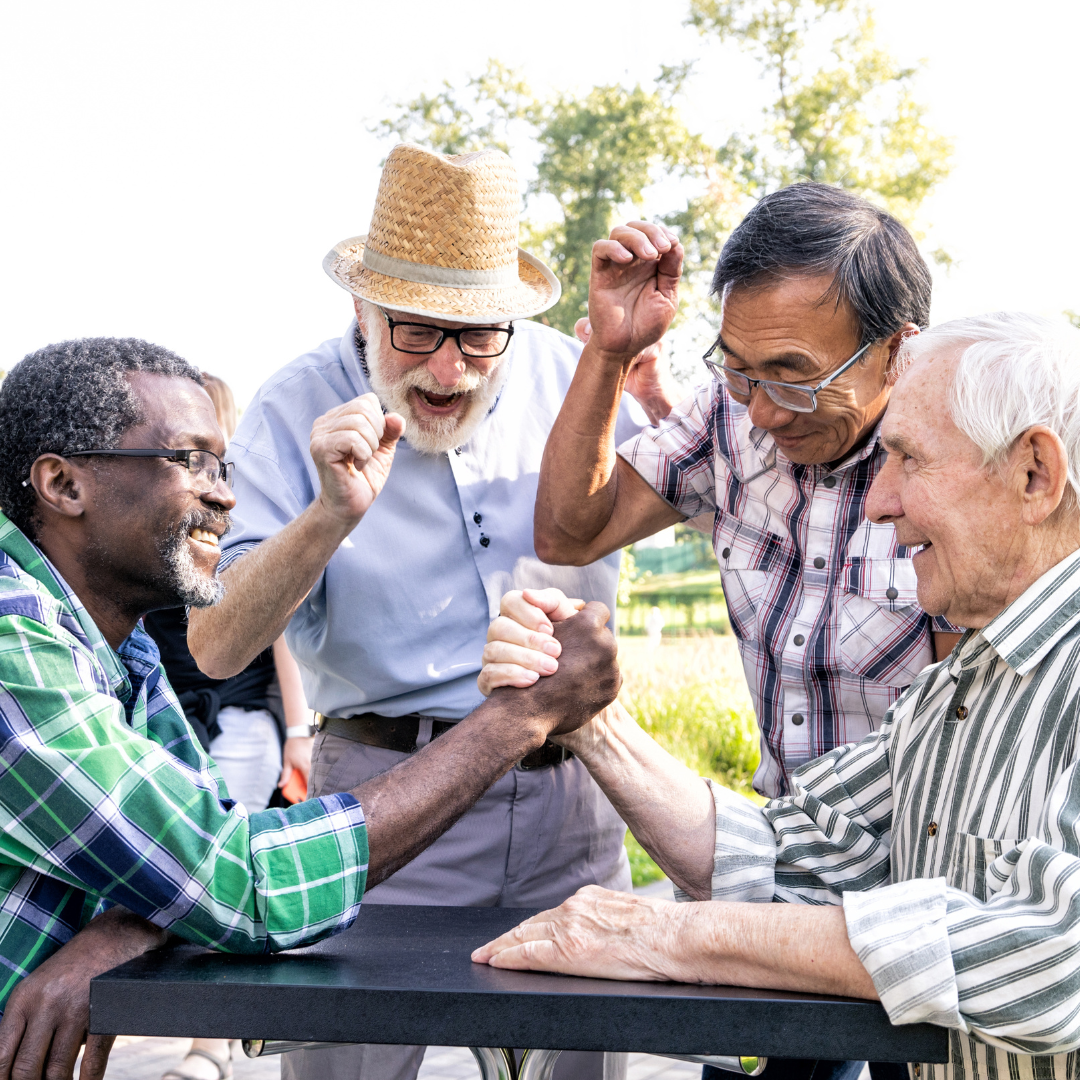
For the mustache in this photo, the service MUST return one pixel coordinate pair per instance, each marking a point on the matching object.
(422, 379)
(217, 521)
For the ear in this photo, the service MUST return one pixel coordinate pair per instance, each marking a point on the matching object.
(60, 485)
(894, 342)
(1040, 467)
(358, 307)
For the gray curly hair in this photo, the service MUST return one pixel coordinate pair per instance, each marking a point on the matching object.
(66, 397)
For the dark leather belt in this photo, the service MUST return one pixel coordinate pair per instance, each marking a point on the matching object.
(400, 733)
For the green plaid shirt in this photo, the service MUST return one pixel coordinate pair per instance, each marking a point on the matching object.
(106, 798)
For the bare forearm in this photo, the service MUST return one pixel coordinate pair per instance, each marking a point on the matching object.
(772, 946)
(263, 589)
(414, 803)
(667, 806)
(576, 494)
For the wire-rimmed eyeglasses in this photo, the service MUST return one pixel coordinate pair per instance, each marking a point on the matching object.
(205, 467)
(788, 395)
(422, 338)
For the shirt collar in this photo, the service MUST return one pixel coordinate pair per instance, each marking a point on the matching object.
(1025, 632)
(33, 561)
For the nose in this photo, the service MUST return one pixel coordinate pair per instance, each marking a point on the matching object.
(766, 413)
(883, 499)
(447, 364)
(220, 495)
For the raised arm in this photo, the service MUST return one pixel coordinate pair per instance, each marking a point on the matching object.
(590, 502)
(353, 448)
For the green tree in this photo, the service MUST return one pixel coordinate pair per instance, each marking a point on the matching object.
(852, 122)
(1074, 318)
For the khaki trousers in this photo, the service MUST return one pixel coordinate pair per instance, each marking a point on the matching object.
(534, 839)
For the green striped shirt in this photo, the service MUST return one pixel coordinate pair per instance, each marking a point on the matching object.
(952, 838)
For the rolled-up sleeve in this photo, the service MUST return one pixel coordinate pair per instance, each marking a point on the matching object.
(676, 457)
(87, 800)
(1002, 968)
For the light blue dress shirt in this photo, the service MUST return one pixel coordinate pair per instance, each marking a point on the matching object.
(398, 620)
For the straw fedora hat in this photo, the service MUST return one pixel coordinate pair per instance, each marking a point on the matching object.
(443, 242)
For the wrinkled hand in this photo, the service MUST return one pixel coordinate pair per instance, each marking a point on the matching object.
(597, 933)
(634, 287)
(46, 1017)
(521, 642)
(648, 381)
(587, 679)
(353, 448)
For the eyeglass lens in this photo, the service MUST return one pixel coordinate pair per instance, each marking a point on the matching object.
(791, 397)
(207, 468)
(416, 338)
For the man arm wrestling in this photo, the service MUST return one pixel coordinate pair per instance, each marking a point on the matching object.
(941, 855)
(115, 498)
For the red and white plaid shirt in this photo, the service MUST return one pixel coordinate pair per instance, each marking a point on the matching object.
(821, 599)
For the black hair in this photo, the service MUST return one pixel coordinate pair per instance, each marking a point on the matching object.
(66, 397)
(809, 229)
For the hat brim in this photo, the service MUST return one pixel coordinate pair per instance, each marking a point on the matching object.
(536, 290)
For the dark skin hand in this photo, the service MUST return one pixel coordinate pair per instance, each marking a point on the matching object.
(46, 1018)
(414, 803)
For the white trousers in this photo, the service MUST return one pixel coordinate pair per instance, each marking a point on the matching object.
(248, 753)
(532, 840)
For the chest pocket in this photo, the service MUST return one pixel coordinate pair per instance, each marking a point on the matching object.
(884, 634)
(971, 858)
(752, 561)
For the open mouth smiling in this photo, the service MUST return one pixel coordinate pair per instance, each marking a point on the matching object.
(204, 536)
(442, 402)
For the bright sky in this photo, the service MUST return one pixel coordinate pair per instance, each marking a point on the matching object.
(177, 171)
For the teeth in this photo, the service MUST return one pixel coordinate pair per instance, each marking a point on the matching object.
(204, 536)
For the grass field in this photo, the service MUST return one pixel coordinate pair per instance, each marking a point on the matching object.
(691, 696)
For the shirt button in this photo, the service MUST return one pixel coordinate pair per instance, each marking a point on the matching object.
(797, 719)
(891, 593)
(478, 517)
(819, 563)
(829, 481)
(931, 829)
(725, 553)
(798, 639)
(484, 541)
(961, 712)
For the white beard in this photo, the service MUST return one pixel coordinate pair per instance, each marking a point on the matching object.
(429, 434)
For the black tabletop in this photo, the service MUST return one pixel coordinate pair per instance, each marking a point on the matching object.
(403, 975)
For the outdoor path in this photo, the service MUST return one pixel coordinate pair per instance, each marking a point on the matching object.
(138, 1058)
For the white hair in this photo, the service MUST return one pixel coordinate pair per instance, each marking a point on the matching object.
(1014, 371)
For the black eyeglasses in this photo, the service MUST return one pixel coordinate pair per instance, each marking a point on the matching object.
(788, 395)
(421, 338)
(205, 467)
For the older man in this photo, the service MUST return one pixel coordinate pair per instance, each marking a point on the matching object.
(818, 290)
(115, 498)
(936, 864)
(386, 606)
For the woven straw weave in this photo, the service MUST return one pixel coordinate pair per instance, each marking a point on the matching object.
(459, 214)
(460, 211)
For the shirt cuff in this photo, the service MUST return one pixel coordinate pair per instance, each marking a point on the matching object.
(744, 856)
(230, 555)
(900, 935)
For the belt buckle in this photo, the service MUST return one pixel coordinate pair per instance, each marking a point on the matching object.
(563, 755)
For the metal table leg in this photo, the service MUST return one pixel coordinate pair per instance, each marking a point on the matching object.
(538, 1064)
(496, 1062)
(744, 1066)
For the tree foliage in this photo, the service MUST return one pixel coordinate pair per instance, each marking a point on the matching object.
(852, 121)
